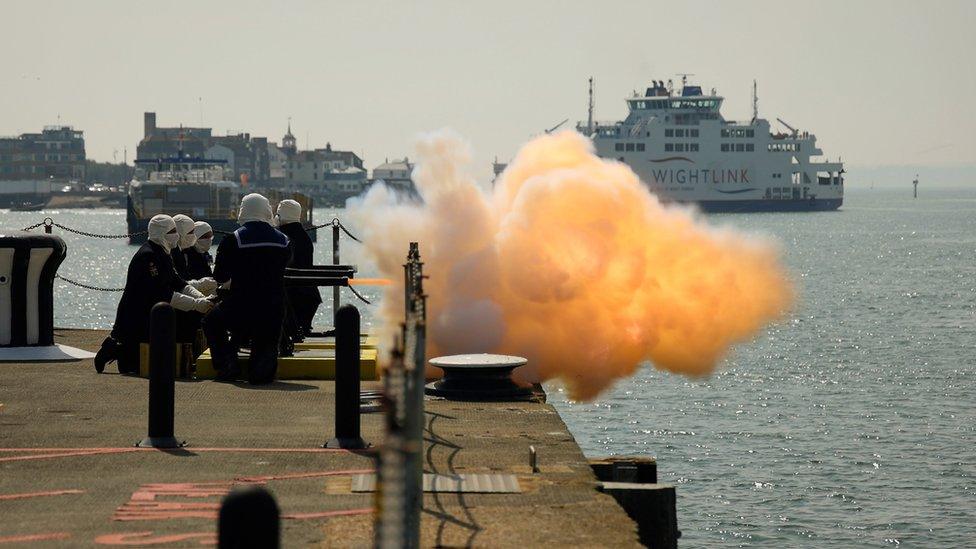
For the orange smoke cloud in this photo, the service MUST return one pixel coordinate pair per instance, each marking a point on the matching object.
(571, 263)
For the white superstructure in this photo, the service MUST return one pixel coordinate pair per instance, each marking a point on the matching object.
(679, 144)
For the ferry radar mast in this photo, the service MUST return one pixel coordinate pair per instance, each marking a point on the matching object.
(915, 185)
(589, 119)
(755, 103)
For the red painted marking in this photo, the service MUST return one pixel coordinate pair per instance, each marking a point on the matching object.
(4, 497)
(54, 453)
(147, 538)
(88, 452)
(188, 448)
(35, 537)
(144, 505)
(327, 514)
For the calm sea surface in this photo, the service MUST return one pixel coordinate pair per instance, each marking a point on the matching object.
(851, 423)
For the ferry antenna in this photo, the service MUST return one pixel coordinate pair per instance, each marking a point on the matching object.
(589, 119)
(755, 102)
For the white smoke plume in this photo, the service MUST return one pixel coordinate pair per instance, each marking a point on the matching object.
(570, 262)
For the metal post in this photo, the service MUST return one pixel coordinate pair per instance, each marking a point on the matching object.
(414, 397)
(347, 433)
(390, 498)
(162, 381)
(335, 261)
(249, 517)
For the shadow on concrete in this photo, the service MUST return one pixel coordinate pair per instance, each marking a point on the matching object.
(466, 519)
(275, 386)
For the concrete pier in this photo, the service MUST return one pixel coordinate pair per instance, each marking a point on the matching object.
(69, 472)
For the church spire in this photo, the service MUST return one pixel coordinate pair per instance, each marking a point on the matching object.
(288, 141)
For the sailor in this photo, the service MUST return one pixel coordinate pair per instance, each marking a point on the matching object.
(253, 261)
(150, 279)
(184, 226)
(188, 238)
(198, 258)
(303, 300)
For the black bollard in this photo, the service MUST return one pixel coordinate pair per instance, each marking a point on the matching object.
(248, 518)
(162, 382)
(347, 380)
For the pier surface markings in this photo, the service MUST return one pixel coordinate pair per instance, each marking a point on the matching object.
(65, 433)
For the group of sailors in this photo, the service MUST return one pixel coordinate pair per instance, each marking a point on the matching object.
(238, 298)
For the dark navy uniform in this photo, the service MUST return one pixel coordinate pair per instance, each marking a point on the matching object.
(150, 279)
(197, 264)
(303, 300)
(179, 263)
(253, 259)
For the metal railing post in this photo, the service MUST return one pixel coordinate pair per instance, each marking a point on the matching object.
(335, 261)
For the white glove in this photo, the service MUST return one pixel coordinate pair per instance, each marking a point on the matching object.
(183, 302)
(206, 286)
(202, 305)
(191, 291)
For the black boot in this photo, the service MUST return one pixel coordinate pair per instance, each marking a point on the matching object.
(225, 362)
(108, 352)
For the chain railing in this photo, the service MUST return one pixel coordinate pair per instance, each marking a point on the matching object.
(88, 286)
(400, 468)
(48, 223)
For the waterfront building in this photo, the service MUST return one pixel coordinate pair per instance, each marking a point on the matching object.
(246, 157)
(396, 175)
(329, 176)
(56, 153)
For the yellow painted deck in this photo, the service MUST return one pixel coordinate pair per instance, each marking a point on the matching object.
(305, 364)
(366, 342)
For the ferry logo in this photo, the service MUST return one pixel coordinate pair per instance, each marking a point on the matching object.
(682, 176)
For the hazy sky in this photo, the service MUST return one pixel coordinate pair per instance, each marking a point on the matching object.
(878, 82)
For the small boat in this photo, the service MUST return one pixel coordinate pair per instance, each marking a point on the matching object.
(28, 206)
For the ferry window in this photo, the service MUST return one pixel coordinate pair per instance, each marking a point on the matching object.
(679, 133)
(668, 133)
(640, 147)
(618, 147)
(693, 133)
(725, 147)
(725, 133)
(668, 147)
(693, 147)
(739, 147)
(750, 133)
(630, 146)
(679, 147)
(749, 147)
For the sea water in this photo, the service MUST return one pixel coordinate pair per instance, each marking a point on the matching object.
(849, 423)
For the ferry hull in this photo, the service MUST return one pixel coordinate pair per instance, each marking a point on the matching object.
(137, 227)
(747, 206)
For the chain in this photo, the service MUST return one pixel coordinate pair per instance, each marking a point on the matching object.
(87, 287)
(335, 223)
(48, 222)
(34, 226)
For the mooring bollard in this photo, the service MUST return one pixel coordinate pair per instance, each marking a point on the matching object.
(249, 517)
(162, 378)
(347, 433)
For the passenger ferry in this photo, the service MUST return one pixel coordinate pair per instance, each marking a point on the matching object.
(197, 187)
(684, 150)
